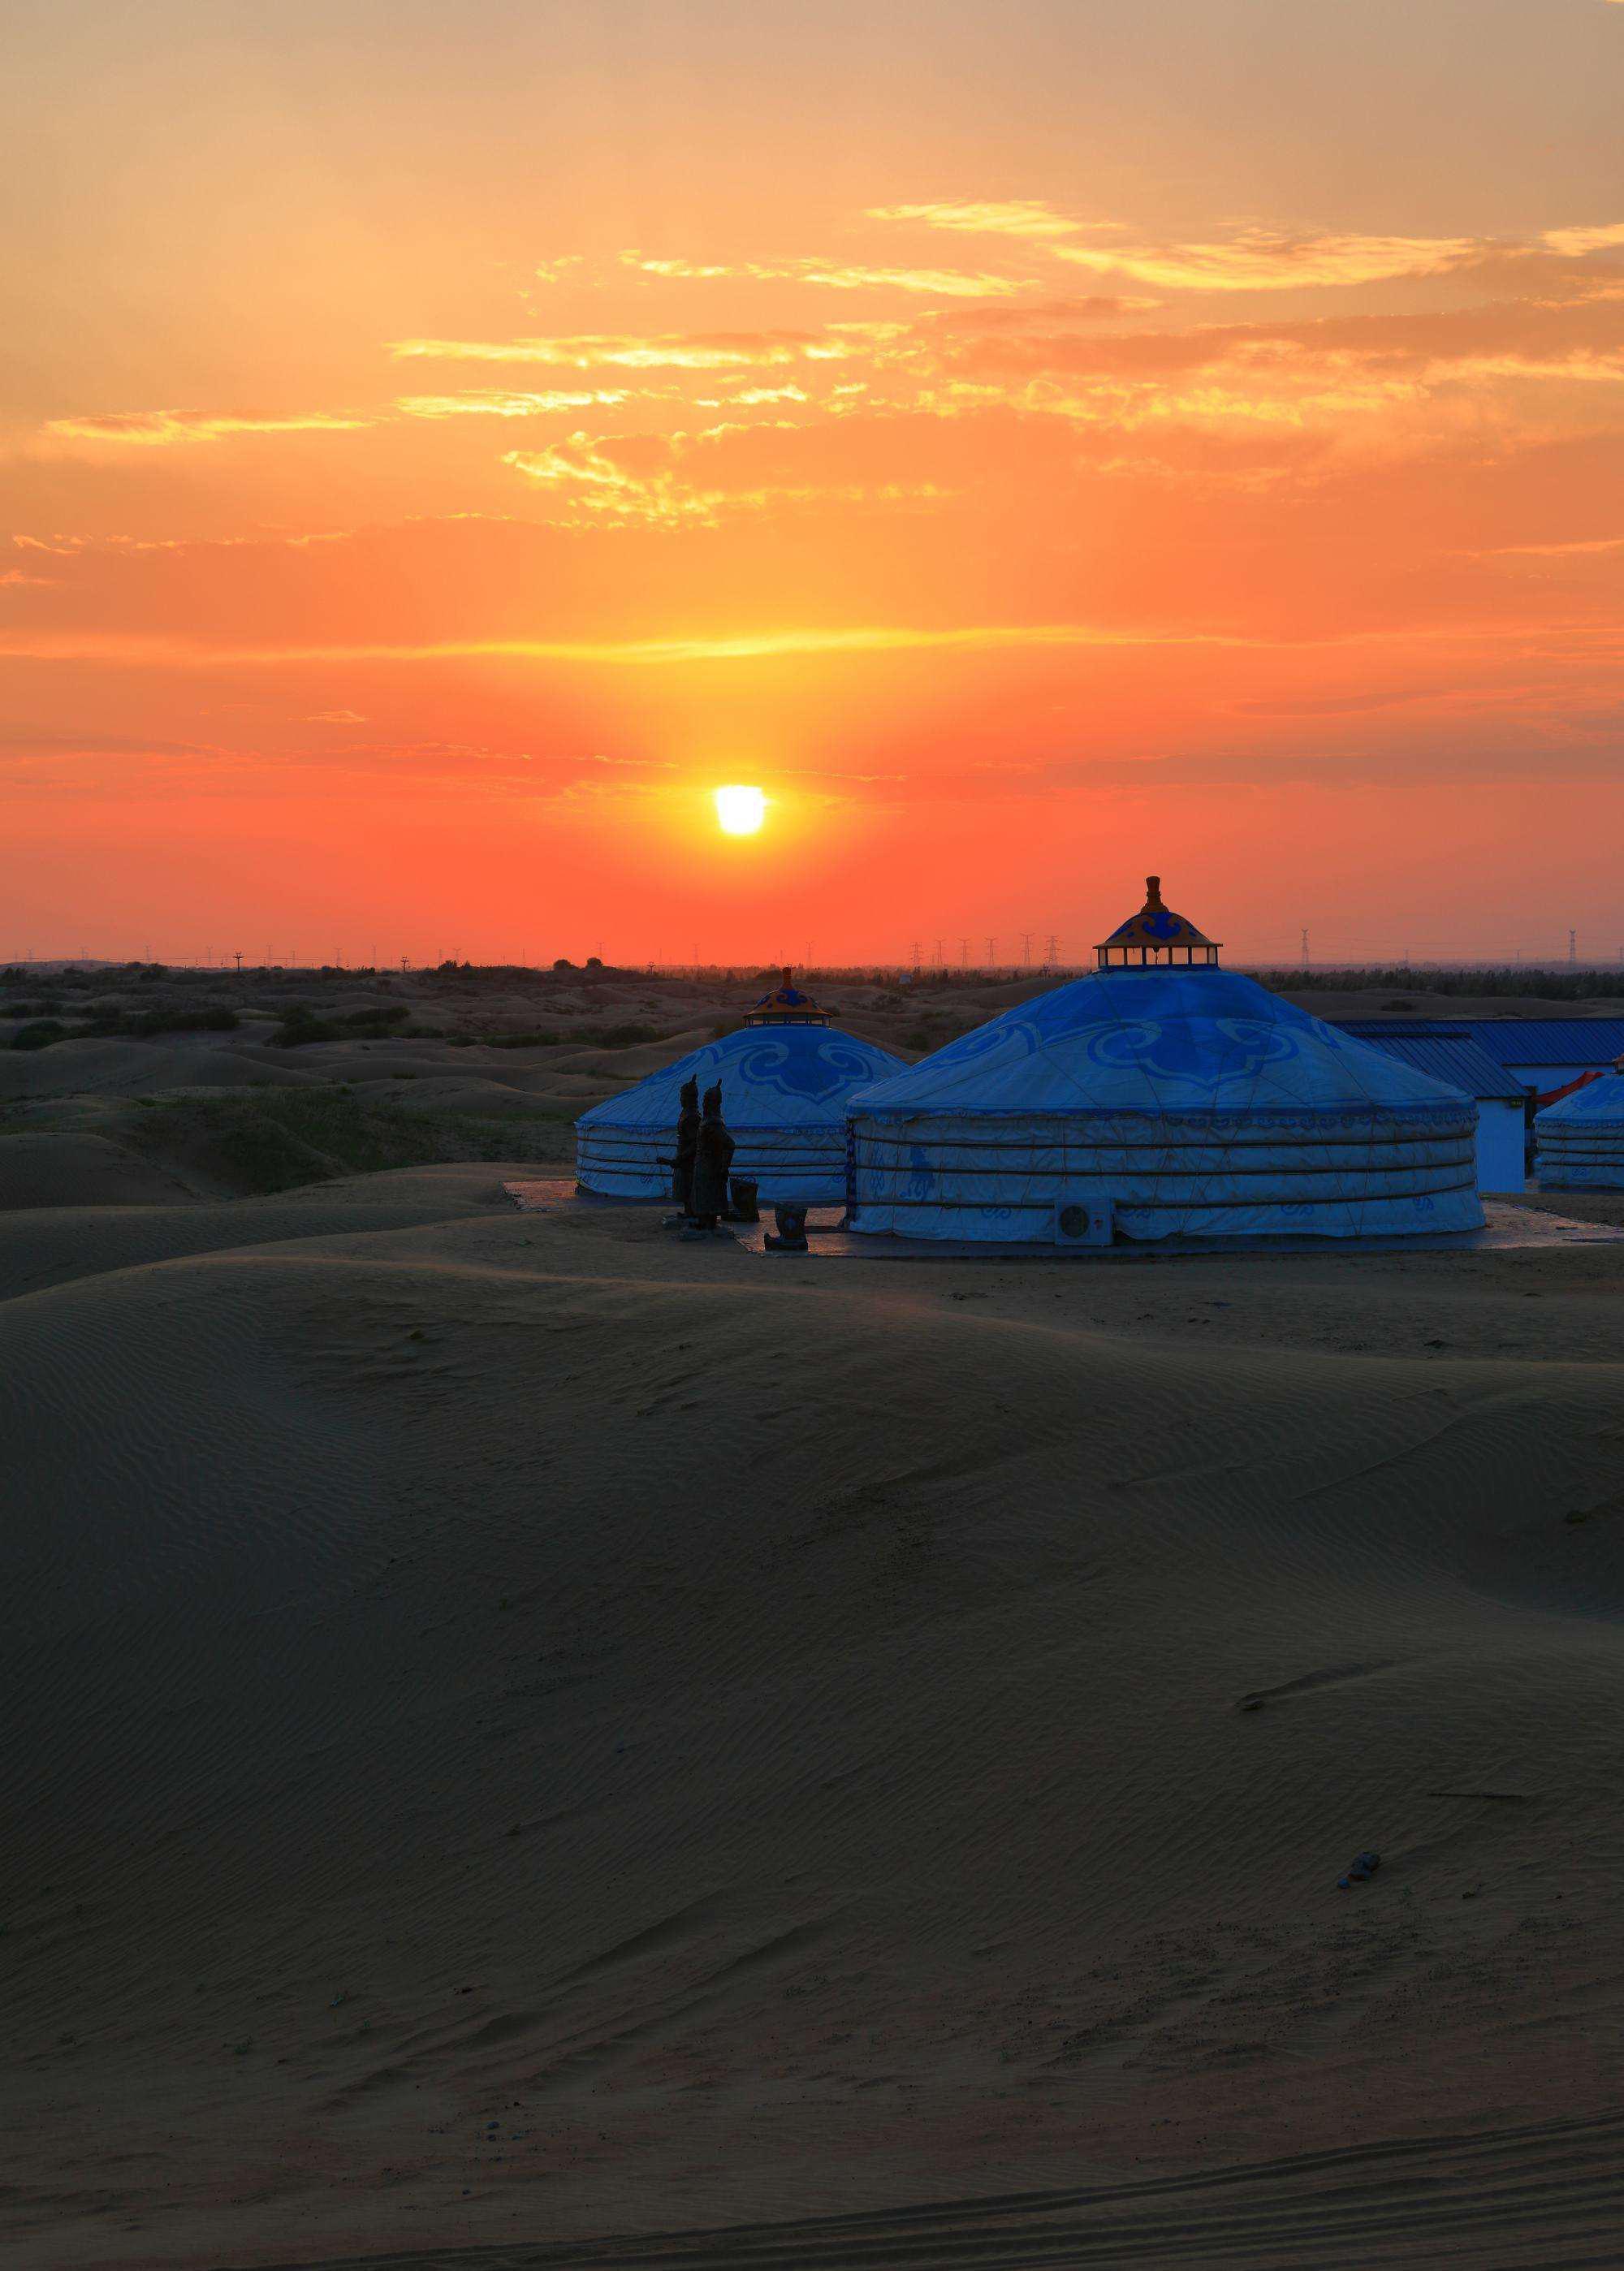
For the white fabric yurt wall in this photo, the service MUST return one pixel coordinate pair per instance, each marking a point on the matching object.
(1579, 1143)
(785, 1088)
(1162, 1102)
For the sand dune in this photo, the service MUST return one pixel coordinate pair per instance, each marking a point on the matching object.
(127, 1067)
(790, 1741)
(68, 1169)
(1543, 2196)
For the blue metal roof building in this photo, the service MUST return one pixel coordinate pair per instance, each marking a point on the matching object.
(1451, 1054)
(1584, 1042)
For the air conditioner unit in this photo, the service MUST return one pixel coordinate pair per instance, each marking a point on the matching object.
(1082, 1221)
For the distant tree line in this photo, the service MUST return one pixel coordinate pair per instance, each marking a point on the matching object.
(1508, 979)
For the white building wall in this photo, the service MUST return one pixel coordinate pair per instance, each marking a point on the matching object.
(1499, 1145)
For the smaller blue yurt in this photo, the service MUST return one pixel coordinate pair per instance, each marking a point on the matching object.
(784, 1075)
(1160, 1096)
(1579, 1141)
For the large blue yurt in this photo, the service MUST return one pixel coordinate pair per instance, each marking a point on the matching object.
(1579, 1141)
(1160, 1096)
(786, 1076)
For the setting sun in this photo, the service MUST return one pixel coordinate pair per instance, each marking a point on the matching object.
(740, 811)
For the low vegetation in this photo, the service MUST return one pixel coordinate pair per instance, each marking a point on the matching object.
(255, 1142)
(1530, 985)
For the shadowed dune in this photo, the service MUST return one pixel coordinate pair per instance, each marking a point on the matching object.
(68, 1169)
(786, 1742)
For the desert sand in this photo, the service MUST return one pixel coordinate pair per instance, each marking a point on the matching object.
(528, 1741)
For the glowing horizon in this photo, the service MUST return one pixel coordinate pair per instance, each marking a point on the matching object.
(1127, 444)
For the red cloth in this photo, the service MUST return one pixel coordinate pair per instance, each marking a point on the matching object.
(1556, 1095)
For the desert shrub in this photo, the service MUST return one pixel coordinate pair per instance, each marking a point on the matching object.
(39, 1035)
(278, 1138)
(384, 1013)
(1518, 978)
(299, 1027)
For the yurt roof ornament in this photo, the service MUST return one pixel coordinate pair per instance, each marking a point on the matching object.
(786, 1005)
(1157, 939)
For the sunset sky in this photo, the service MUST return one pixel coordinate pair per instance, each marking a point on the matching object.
(1033, 442)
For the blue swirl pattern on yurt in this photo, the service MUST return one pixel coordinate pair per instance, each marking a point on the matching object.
(1189, 1101)
(784, 1091)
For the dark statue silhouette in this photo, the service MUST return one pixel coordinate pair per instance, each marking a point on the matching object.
(713, 1158)
(687, 1147)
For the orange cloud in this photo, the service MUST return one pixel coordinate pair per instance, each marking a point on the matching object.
(592, 480)
(695, 350)
(1024, 217)
(159, 429)
(472, 404)
(1260, 260)
(841, 276)
(166, 653)
(1252, 259)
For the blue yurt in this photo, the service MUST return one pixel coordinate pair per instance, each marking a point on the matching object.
(1160, 1096)
(786, 1076)
(1579, 1141)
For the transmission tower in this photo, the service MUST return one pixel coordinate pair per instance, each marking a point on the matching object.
(1052, 953)
(964, 954)
(237, 957)
(1572, 946)
(1026, 948)
(992, 957)
(916, 958)
(1304, 945)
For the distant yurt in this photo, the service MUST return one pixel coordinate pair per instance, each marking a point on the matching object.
(1160, 1097)
(1579, 1141)
(786, 1076)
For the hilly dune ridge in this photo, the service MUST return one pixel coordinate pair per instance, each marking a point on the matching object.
(533, 1744)
(845, 1759)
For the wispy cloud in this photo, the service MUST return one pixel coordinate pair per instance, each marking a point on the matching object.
(1260, 260)
(473, 404)
(600, 485)
(162, 652)
(836, 275)
(1254, 259)
(1579, 547)
(159, 428)
(1028, 217)
(1574, 243)
(672, 351)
